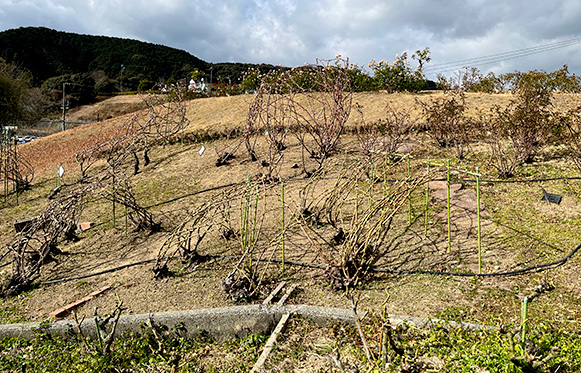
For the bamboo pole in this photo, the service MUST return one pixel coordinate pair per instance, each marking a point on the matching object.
(449, 216)
(478, 219)
(283, 227)
(409, 193)
(427, 201)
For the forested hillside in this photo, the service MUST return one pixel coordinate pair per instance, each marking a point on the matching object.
(120, 63)
(47, 53)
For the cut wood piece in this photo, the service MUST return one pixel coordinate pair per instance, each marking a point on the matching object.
(286, 295)
(270, 343)
(274, 293)
(24, 224)
(70, 306)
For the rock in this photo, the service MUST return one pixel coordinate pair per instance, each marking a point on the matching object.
(86, 225)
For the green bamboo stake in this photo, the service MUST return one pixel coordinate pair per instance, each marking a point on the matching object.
(255, 219)
(56, 176)
(409, 193)
(282, 238)
(2, 164)
(246, 215)
(427, 201)
(5, 159)
(15, 182)
(386, 165)
(371, 182)
(113, 186)
(7, 183)
(525, 306)
(478, 219)
(126, 213)
(449, 218)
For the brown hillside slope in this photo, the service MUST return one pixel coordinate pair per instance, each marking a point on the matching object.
(220, 115)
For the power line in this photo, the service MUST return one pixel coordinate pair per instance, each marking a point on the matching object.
(499, 57)
(505, 54)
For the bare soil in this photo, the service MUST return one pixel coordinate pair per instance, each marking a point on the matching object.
(516, 227)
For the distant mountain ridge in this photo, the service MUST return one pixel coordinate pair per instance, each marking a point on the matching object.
(47, 53)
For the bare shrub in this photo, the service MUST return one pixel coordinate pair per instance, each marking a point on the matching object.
(504, 157)
(13, 167)
(321, 106)
(184, 241)
(270, 114)
(446, 122)
(119, 190)
(571, 134)
(314, 102)
(362, 215)
(521, 130)
(164, 118)
(36, 245)
(388, 134)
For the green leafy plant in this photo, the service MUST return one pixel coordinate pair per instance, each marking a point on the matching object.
(400, 76)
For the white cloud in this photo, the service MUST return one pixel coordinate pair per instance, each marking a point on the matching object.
(294, 32)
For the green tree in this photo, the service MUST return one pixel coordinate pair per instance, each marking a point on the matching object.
(197, 74)
(14, 84)
(80, 88)
(400, 75)
(145, 85)
(360, 80)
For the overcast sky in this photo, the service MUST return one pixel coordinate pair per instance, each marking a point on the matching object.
(292, 33)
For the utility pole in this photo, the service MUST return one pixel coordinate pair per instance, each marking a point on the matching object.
(122, 71)
(65, 107)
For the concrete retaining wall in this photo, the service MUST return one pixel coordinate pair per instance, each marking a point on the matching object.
(220, 323)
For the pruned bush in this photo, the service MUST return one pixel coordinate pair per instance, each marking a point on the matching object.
(321, 110)
(37, 244)
(184, 242)
(361, 214)
(387, 135)
(13, 167)
(270, 115)
(313, 102)
(571, 134)
(520, 131)
(446, 122)
(164, 119)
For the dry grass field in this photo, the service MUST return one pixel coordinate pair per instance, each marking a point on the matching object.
(518, 229)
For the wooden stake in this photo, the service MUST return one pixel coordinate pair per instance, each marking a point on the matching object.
(270, 344)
